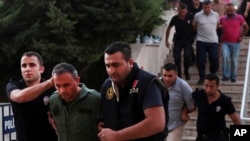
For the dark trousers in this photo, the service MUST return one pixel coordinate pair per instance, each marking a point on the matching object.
(187, 47)
(203, 49)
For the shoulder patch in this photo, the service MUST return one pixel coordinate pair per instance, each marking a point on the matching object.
(110, 93)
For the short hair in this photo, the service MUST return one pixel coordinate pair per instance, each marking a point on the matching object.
(212, 77)
(122, 47)
(64, 67)
(170, 66)
(36, 54)
(230, 4)
(206, 2)
(183, 6)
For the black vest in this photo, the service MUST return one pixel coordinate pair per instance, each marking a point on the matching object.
(128, 111)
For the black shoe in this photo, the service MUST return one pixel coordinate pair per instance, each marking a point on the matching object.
(233, 80)
(225, 79)
(201, 81)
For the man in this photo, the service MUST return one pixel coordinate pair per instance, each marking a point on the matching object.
(131, 101)
(180, 95)
(244, 10)
(74, 108)
(187, 2)
(29, 99)
(195, 7)
(183, 39)
(219, 7)
(232, 25)
(206, 22)
(212, 106)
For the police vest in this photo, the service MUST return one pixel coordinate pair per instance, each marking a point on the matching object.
(130, 100)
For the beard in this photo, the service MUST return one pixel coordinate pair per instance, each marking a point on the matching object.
(230, 15)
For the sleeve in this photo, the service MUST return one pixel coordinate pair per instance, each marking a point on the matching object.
(218, 17)
(153, 96)
(196, 94)
(242, 20)
(195, 17)
(187, 94)
(12, 85)
(220, 20)
(172, 21)
(229, 106)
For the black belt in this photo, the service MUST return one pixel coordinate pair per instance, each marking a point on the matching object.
(211, 135)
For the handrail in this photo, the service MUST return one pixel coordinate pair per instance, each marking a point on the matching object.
(243, 110)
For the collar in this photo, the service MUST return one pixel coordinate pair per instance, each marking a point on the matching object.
(230, 17)
(132, 75)
(211, 12)
(84, 91)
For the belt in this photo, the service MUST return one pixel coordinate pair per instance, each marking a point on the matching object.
(211, 135)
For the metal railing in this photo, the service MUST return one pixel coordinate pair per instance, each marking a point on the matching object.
(245, 97)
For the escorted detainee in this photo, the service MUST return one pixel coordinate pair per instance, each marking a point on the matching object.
(74, 107)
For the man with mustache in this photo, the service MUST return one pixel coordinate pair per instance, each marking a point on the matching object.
(232, 35)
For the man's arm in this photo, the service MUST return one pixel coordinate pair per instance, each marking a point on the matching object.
(30, 93)
(247, 9)
(194, 24)
(245, 29)
(235, 118)
(167, 36)
(153, 123)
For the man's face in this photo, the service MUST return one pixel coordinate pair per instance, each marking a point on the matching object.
(210, 87)
(117, 67)
(169, 77)
(66, 85)
(196, 2)
(230, 10)
(207, 8)
(183, 12)
(31, 69)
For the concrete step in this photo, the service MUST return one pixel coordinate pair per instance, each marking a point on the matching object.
(233, 90)
(190, 131)
(227, 86)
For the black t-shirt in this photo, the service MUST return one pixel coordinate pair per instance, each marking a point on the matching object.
(211, 117)
(183, 28)
(31, 120)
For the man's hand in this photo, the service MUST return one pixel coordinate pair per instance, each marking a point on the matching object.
(100, 126)
(51, 121)
(107, 134)
(185, 117)
(167, 44)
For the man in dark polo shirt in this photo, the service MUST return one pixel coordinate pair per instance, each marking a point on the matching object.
(29, 99)
(183, 39)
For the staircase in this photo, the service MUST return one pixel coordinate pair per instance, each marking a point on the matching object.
(234, 90)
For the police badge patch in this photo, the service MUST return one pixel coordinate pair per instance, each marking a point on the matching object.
(46, 100)
(110, 93)
(218, 108)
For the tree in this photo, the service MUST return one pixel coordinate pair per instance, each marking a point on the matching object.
(74, 31)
